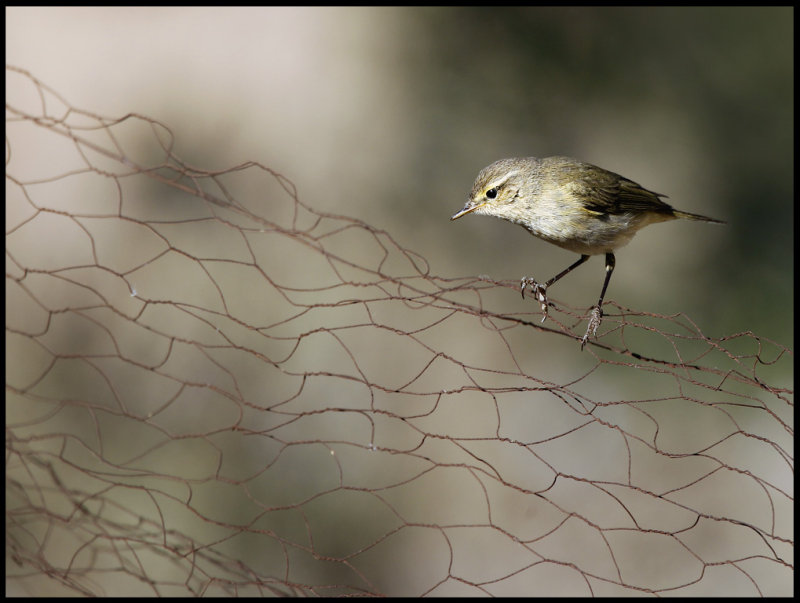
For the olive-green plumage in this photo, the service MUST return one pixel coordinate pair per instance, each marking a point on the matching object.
(572, 204)
(575, 205)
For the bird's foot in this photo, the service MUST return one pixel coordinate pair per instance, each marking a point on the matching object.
(595, 316)
(539, 292)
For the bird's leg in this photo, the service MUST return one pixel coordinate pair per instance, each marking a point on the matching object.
(596, 315)
(539, 290)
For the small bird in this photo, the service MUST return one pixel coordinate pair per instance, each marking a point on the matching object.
(575, 205)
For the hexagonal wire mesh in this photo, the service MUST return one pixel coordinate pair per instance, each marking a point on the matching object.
(213, 388)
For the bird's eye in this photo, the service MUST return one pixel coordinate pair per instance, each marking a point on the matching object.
(491, 193)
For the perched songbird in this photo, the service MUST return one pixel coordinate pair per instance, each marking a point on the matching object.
(575, 205)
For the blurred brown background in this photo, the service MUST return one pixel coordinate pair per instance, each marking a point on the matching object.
(388, 114)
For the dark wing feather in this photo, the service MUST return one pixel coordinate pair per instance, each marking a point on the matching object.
(604, 192)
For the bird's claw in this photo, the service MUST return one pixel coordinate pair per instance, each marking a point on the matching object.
(524, 282)
(539, 292)
(595, 316)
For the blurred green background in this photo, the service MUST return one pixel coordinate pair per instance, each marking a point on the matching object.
(388, 114)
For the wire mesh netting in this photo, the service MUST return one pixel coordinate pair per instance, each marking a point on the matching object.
(214, 389)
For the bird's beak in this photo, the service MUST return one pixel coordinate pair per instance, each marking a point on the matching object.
(470, 206)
